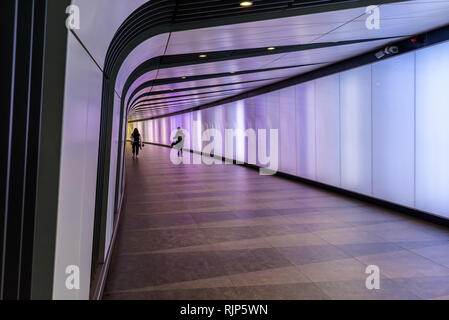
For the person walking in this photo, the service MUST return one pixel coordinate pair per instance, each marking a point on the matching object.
(136, 141)
(179, 141)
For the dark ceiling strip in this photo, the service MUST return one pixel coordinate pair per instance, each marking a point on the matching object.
(213, 76)
(253, 13)
(158, 82)
(147, 94)
(171, 61)
(148, 105)
(191, 94)
(152, 110)
(151, 106)
(153, 18)
(404, 46)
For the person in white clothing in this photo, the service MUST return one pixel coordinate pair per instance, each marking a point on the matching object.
(179, 141)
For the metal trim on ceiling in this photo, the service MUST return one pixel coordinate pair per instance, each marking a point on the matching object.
(147, 94)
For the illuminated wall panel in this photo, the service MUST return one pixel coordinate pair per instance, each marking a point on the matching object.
(305, 130)
(328, 129)
(288, 134)
(197, 130)
(272, 122)
(156, 133)
(218, 124)
(78, 170)
(432, 129)
(164, 126)
(393, 100)
(230, 122)
(239, 114)
(272, 110)
(355, 117)
(251, 111)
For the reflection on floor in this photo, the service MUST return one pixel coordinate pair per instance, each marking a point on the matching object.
(225, 232)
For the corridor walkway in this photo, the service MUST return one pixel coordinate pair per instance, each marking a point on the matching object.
(225, 232)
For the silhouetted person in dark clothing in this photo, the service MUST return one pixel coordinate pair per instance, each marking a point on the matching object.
(136, 142)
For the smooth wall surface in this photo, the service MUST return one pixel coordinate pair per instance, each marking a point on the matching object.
(81, 125)
(99, 21)
(379, 130)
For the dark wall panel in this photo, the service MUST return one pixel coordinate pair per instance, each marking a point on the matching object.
(24, 26)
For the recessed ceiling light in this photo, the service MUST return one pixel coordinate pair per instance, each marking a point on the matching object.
(246, 4)
(271, 48)
(203, 55)
(183, 77)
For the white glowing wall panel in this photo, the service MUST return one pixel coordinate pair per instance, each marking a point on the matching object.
(432, 129)
(238, 113)
(113, 173)
(198, 119)
(327, 104)
(218, 114)
(251, 111)
(165, 127)
(260, 109)
(379, 130)
(393, 98)
(287, 131)
(355, 124)
(272, 111)
(305, 130)
(271, 122)
(78, 172)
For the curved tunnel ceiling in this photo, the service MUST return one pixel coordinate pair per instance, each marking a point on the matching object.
(156, 56)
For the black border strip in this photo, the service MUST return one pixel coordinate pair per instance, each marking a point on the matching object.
(9, 32)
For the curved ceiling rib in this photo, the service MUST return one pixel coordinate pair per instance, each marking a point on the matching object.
(157, 82)
(198, 88)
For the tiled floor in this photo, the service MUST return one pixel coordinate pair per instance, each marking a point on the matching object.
(225, 232)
